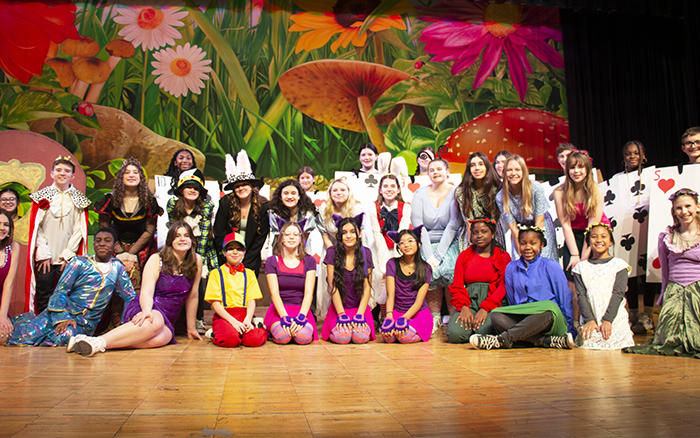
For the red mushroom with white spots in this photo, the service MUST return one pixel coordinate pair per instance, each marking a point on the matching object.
(533, 134)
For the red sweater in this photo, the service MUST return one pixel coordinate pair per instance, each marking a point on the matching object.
(472, 268)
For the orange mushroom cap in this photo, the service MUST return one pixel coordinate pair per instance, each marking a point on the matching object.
(63, 69)
(83, 47)
(328, 90)
(91, 70)
(120, 49)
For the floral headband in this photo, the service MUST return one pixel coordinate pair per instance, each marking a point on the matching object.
(131, 161)
(531, 228)
(600, 224)
(584, 152)
(683, 192)
(486, 220)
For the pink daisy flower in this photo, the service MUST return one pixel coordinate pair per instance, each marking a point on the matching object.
(181, 70)
(152, 27)
(463, 32)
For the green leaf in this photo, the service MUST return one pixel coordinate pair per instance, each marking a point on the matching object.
(433, 92)
(533, 97)
(390, 37)
(391, 97)
(31, 105)
(48, 79)
(545, 92)
(67, 101)
(97, 173)
(66, 137)
(398, 134)
(410, 158)
(382, 8)
(90, 183)
(115, 165)
(229, 58)
(442, 137)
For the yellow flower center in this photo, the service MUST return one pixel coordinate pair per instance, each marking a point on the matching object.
(180, 67)
(499, 19)
(150, 18)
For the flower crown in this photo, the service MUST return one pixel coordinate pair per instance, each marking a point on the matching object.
(531, 228)
(131, 161)
(599, 224)
(683, 192)
(487, 220)
(584, 152)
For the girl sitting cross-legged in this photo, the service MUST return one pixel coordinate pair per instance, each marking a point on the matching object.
(540, 300)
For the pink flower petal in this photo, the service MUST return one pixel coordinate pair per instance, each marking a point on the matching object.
(491, 55)
(545, 53)
(516, 61)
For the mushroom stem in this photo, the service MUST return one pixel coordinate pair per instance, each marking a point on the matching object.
(376, 136)
(80, 88)
(95, 89)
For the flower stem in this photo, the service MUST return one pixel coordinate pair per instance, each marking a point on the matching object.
(376, 136)
(379, 49)
(179, 118)
(143, 83)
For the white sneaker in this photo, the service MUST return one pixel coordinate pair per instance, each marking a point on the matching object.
(71, 342)
(209, 334)
(437, 323)
(89, 346)
(445, 320)
(201, 327)
(485, 342)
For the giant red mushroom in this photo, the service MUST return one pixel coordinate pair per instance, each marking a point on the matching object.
(341, 93)
(530, 133)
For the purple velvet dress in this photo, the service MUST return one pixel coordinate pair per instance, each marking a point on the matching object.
(168, 298)
(5, 268)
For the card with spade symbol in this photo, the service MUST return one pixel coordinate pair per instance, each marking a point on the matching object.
(558, 231)
(626, 204)
(664, 182)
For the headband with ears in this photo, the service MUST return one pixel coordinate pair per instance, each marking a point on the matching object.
(281, 222)
(394, 235)
(337, 218)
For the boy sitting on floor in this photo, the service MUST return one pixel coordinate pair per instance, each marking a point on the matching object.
(232, 290)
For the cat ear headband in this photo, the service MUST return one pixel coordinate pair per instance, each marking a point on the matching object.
(394, 235)
(282, 222)
(337, 218)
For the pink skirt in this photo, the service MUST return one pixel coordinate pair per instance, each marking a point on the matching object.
(332, 316)
(272, 317)
(422, 322)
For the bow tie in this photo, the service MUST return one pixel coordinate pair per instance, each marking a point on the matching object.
(233, 269)
(391, 219)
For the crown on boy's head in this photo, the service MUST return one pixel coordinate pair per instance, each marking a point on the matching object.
(63, 158)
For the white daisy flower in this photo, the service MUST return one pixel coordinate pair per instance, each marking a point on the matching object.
(181, 69)
(151, 27)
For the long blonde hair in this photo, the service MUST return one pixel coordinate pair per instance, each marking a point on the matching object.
(590, 188)
(525, 185)
(329, 209)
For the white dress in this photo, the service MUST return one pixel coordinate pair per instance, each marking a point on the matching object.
(599, 280)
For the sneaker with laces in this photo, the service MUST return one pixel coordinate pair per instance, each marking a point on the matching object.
(71, 342)
(646, 322)
(566, 341)
(201, 327)
(485, 342)
(89, 346)
(209, 334)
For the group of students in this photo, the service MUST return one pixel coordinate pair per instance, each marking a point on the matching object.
(449, 242)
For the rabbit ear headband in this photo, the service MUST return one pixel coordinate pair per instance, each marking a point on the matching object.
(337, 218)
(394, 235)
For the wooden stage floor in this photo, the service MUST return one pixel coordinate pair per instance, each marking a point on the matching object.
(325, 390)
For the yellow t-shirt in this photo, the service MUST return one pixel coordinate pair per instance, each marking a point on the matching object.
(234, 288)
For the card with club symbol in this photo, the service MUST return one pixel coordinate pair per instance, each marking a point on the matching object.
(664, 182)
(626, 204)
(365, 186)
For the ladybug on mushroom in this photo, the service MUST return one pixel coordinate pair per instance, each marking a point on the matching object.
(533, 134)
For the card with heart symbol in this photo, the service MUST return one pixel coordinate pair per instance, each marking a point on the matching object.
(664, 182)
(559, 232)
(626, 204)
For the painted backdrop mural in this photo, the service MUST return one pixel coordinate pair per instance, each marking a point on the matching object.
(294, 83)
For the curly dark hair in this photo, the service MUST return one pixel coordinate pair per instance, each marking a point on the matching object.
(491, 180)
(174, 172)
(304, 205)
(256, 202)
(339, 261)
(188, 267)
(145, 195)
(492, 226)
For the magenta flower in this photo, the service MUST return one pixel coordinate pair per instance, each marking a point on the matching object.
(465, 31)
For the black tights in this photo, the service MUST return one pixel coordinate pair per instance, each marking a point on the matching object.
(529, 328)
(636, 286)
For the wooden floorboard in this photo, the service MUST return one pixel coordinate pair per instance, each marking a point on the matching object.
(323, 390)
